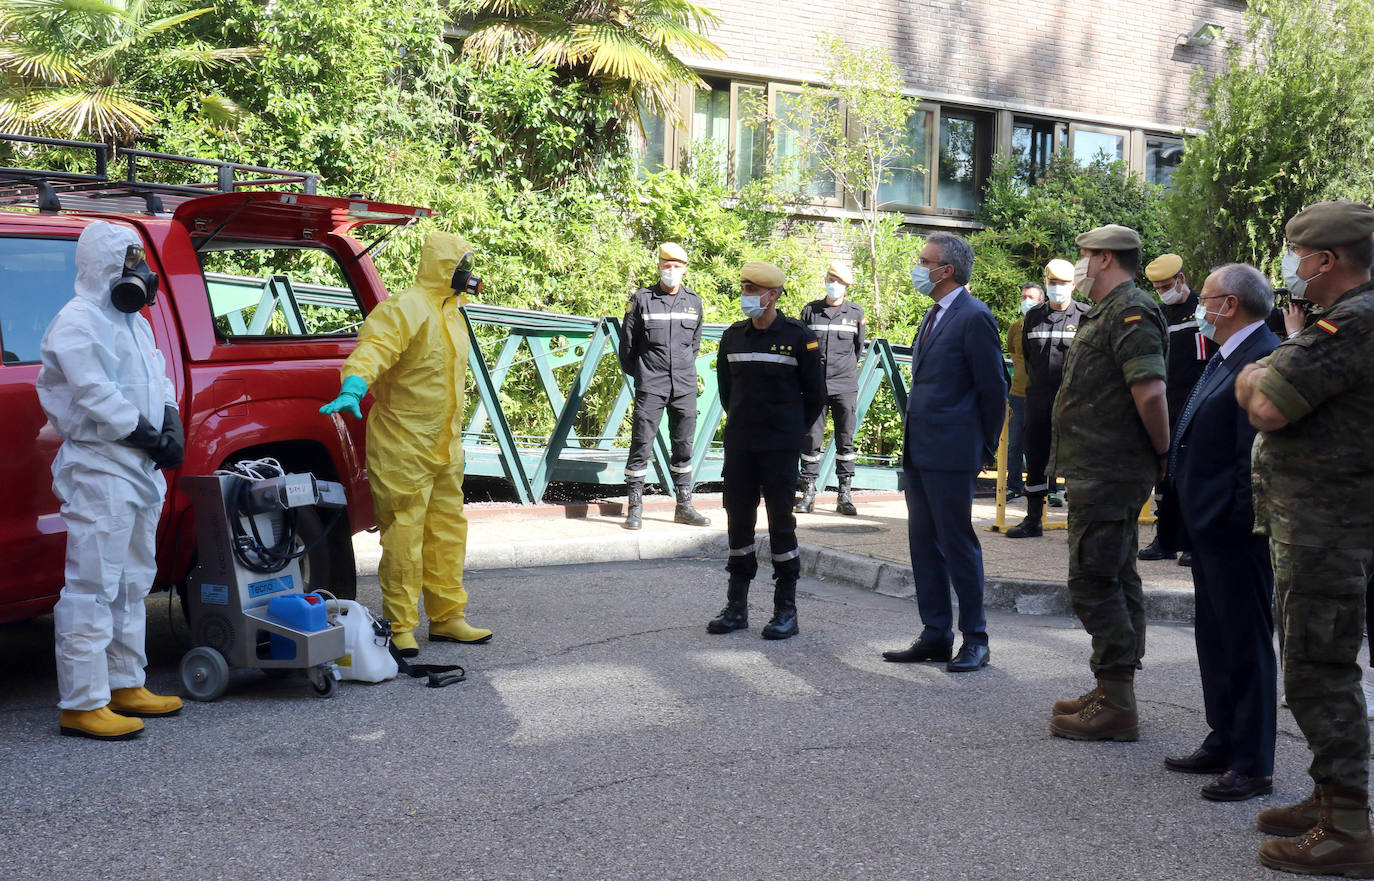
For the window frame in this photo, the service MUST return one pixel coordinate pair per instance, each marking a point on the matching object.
(1124, 133)
(774, 90)
(281, 303)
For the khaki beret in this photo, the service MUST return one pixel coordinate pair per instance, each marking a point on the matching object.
(764, 275)
(1059, 270)
(672, 251)
(1164, 267)
(840, 271)
(1111, 237)
(1327, 224)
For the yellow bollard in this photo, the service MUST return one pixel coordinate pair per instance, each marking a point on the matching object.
(1000, 523)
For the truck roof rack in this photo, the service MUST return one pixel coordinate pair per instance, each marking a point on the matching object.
(96, 191)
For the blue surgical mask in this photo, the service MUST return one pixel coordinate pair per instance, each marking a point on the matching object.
(834, 291)
(749, 304)
(1205, 327)
(920, 280)
(1296, 284)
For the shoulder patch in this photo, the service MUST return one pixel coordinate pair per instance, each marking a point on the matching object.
(1327, 326)
(1132, 316)
(812, 345)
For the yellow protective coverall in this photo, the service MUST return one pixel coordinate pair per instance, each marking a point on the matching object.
(413, 353)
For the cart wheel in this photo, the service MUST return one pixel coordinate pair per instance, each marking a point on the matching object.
(323, 681)
(204, 673)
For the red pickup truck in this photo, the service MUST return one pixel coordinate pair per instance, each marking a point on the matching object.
(261, 294)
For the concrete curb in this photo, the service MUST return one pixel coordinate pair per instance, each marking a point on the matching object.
(1023, 596)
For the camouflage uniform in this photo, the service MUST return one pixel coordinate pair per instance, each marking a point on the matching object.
(1313, 479)
(1104, 452)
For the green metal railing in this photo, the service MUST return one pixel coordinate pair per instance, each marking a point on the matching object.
(550, 341)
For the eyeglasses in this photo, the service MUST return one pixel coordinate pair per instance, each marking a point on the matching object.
(750, 288)
(930, 264)
(1214, 297)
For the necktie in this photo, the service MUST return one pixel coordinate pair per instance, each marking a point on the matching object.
(930, 322)
(1186, 416)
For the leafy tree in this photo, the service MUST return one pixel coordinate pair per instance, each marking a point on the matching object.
(850, 134)
(1288, 122)
(81, 68)
(625, 49)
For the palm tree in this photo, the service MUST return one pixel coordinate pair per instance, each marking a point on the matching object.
(624, 48)
(73, 68)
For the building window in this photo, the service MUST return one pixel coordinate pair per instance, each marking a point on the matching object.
(910, 184)
(965, 155)
(711, 129)
(651, 143)
(750, 105)
(1162, 156)
(800, 173)
(1091, 143)
(1033, 144)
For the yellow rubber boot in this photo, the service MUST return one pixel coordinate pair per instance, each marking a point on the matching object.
(101, 724)
(457, 630)
(142, 702)
(405, 644)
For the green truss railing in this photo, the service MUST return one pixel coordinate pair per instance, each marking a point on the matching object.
(530, 464)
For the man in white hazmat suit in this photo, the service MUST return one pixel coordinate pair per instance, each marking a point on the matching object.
(104, 387)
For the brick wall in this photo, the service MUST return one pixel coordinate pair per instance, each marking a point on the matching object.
(1110, 60)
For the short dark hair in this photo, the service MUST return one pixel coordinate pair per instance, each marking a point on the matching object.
(1359, 252)
(1128, 259)
(1030, 284)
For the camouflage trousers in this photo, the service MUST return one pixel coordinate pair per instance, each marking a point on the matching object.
(1319, 596)
(1104, 586)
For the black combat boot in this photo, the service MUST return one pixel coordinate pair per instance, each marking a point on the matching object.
(845, 504)
(807, 503)
(685, 513)
(735, 615)
(634, 517)
(784, 623)
(1031, 527)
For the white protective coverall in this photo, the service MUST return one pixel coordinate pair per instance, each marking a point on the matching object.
(101, 371)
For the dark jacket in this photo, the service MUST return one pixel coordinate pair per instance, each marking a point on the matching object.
(771, 382)
(1213, 451)
(840, 331)
(1046, 334)
(958, 395)
(1188, 353)
(660, 339)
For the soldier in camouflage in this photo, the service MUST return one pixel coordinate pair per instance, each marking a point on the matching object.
(1313, 403)
(1111, 440)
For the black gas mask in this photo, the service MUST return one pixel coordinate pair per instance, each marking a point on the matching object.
(464, 282)
(136, 287)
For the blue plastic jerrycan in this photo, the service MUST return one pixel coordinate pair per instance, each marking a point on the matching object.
(303, 611)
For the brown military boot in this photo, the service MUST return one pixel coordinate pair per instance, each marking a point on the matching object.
(1291, 820)
(1073, 706)
(1110, 716)
(1340, 844)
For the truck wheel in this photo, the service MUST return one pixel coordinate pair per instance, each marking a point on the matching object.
(330, 565)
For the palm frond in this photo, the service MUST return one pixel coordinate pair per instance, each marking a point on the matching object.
(494, 40)
(200, 57)
(144, 32)
(612, 50)
(40, 63)
(222, 111)
(666, 31)
(104, 112)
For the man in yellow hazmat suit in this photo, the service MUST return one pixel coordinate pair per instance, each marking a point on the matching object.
(412, 355)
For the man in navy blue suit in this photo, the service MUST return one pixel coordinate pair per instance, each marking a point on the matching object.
(953, 421)
(1233, 579)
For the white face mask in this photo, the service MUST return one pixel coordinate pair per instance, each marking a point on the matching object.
(751, 306)
(920, 280)
(671, 277)
(1082, 282)
(1205, 327)
(1296, 284)
(1059, 292)
(1027, 305)
(1174, 295)
(834, 292)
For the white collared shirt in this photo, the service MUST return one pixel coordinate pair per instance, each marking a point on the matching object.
(1237, 338)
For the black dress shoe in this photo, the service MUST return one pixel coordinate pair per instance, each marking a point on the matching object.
(1232, 786)
(1199, 762)
(1028, 528)
(1186, 559)
(972, 656)
(1152, 551)
(920, 650)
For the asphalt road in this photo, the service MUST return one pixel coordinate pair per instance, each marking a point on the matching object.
(605, 735)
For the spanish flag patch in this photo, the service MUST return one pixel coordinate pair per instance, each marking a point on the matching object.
(1132, 318)
(1327, 326)
(813, 345)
